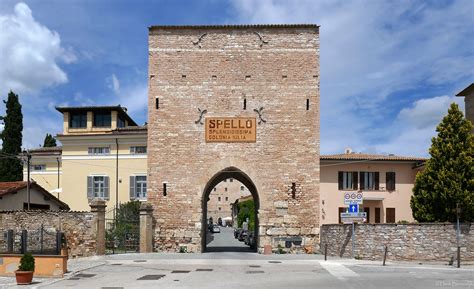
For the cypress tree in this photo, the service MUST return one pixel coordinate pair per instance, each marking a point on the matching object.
(448, 177)
(11, 168)
(49, 141)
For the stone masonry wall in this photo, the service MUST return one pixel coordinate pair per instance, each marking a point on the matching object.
(421, 242)
(77, 226)
(217, 69)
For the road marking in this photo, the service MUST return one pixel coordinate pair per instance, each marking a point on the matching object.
(338, 270)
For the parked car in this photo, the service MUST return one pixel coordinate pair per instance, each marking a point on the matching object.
(237, 232)
(210, 227)
(216, 229)
(242, 235)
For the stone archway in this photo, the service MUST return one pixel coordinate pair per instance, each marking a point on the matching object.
(228, 173)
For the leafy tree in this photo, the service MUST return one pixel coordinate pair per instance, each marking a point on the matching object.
(49, 141)
(246, 210)
(11, 168)
(448, 177)
(125, 233)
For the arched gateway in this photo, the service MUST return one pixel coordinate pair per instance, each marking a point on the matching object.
(241, 102)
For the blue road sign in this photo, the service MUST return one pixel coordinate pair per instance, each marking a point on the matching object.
(353, 208)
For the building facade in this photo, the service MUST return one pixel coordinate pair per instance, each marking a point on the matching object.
(468, 94)
(268, 77)
(103, 155)
(14, 196)
(222, 197)
(386, 182)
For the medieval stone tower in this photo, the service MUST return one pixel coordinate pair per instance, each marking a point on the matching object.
(241, 102)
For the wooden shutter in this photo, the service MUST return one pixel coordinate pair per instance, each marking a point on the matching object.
(355, 181)
(390, 215)
(362, 181)
(390, 181)
(377, 215)
(106, 188)
(377, 180)
(339, 179)
(367, 210)
(90, 187)
(132, 188)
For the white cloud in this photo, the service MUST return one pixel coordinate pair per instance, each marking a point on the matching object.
(373, 51)
(30, 53)
(415, 126)
(134, 96)
(114, 84)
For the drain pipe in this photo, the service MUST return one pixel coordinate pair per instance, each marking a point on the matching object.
(116, 175)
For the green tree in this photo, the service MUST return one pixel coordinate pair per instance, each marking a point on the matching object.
(246, 210)
(124, 235)
(448, 177)
(49, 141)
(11, 168)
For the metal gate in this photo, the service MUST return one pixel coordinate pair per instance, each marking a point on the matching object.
(122, 232)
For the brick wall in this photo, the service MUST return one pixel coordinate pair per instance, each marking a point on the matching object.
(216, 68)
(423, 242)
(78, 227)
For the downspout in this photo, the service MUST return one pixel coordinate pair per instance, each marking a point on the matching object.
(116, 175)
(57, 159)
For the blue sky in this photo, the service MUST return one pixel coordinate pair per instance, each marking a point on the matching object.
(389, 69)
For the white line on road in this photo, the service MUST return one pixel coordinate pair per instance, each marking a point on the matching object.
(338, 270)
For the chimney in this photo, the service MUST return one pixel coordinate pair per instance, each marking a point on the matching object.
(348, 150)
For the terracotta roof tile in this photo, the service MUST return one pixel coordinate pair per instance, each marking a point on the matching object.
(371, 157)
(10, 187)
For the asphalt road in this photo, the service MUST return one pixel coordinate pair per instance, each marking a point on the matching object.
(225, 242)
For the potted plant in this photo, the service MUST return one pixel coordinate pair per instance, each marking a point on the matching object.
(24, 274)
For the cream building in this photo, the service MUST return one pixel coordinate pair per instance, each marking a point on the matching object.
(103, 155)
(386, 182)
(222, 197)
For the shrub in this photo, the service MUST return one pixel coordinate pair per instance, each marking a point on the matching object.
(27, 263)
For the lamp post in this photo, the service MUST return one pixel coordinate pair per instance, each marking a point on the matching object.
(458, 212)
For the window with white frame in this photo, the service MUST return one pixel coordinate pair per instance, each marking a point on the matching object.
(138, 187)
(138, 150)
(95, 151)
(98, 187)
(39, 167)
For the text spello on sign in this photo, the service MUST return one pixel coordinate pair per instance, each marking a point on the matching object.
(231, 129)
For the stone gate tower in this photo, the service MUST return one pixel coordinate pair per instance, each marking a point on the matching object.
(234, 101)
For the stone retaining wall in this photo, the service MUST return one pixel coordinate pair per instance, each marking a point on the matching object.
(79, 227)
(423, 242)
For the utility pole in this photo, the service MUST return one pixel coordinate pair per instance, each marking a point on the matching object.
(57, 159)
(28, 163)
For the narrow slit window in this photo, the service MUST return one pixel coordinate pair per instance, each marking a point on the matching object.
(307, 104)
(247, 77)
(245, 103)
(284, 76)
(293, 190)
(157, 103)
(164, 190)
(183, 76)
(214, 77)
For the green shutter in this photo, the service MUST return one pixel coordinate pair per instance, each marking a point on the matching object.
(132, 188)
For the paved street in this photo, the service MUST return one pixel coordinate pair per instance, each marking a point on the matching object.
(250, 270)
(225, 242)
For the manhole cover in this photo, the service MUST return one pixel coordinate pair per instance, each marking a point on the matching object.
(180, 271)
(74, 278)
(139, 261)
(151, 277)
(274, 262)
(111, 287)
(204, 270)
(255, 266)
(116, 264)
(84, 275)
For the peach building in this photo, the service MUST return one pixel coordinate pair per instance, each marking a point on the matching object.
(222, 197)
(386, 182)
